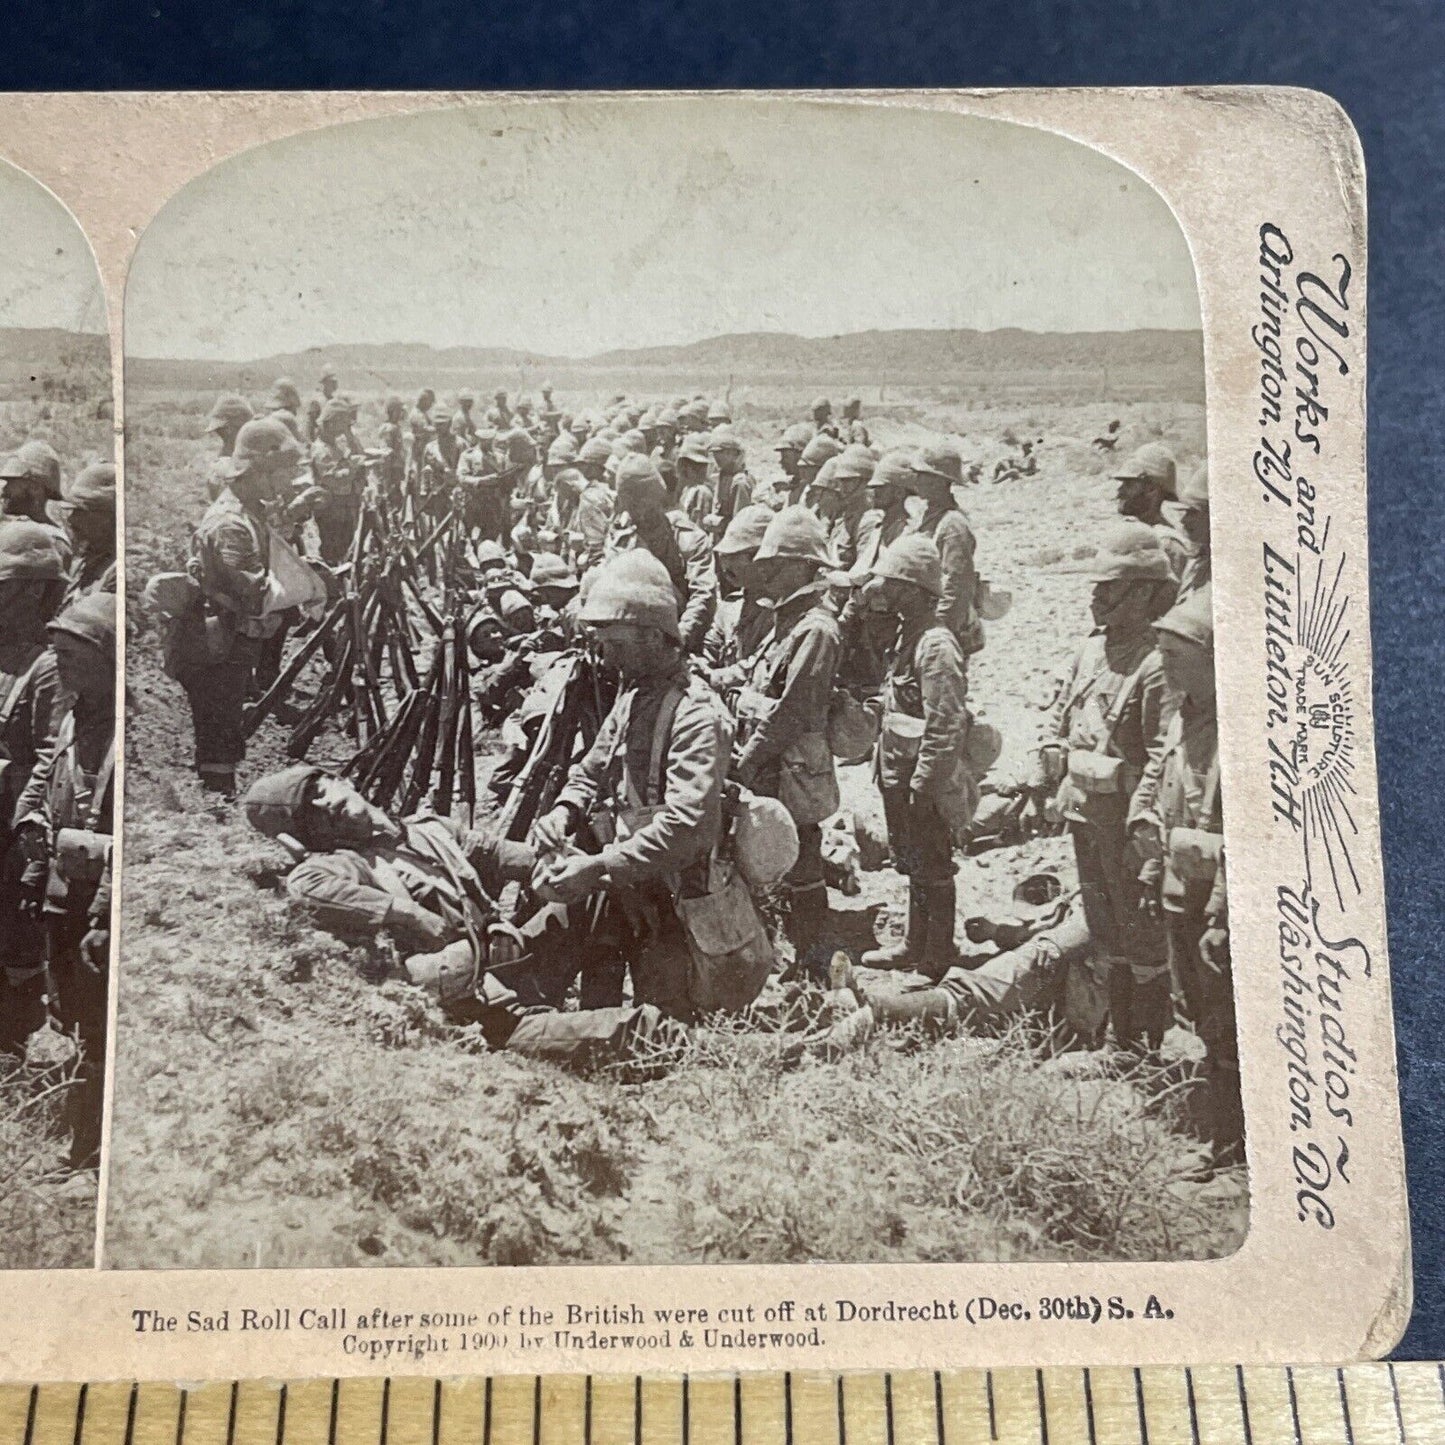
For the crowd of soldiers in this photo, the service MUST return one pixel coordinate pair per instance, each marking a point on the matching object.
(757, 631)
(57, 765)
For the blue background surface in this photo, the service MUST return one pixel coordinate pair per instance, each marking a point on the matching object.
(1385, 62)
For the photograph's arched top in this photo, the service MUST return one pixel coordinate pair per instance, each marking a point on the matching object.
(570, 228)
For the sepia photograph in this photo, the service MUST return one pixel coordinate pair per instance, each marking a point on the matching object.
(670, 704)
(57, 727)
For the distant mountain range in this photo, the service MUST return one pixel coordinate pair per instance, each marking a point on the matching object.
(915, 355)
(34, 353)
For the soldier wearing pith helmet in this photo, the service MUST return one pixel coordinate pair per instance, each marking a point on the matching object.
(1194, 523)
(328, 383)
(1147, 481)
(928, 791)
(649, 792)
(937, 470)
(783, 718)
(1107, 723)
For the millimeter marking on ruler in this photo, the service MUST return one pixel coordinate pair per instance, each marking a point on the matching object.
(1371, 1404)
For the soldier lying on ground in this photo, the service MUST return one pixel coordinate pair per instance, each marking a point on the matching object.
(432, 885)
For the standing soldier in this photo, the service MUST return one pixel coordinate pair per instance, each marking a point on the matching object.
(823, 423)
(69, 804)
(820, 450)
(1177, 822)
(937, 470)
(692, 417)
(734, 485)
(1146, 481)
(853, 430)
(328, 382)
(790, 452)
(694, 494)
(919, 762)
(227, 417)
(89, 502)
(218, 648)
(499, 414)
(868, 635)
(285, 405)
(391, 440)
(742, 624)
(464, 424)
(31, 704)
(339, 470)
(783, 718)
(852, 470)
(1108, 722)
(524, 418)
(649, 790)
(1194, 523)
(484, 490)
(681, 547)
(419, 434)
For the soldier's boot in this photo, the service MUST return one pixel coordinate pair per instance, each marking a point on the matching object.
(908, 949)
(940, 953)
(217, 780)
(807, 932)
(24, 1009)
(1153, 1004)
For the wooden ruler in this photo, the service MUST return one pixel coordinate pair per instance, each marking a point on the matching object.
(1372, 1404)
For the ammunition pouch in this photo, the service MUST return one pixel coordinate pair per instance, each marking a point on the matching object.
(81, 855)
(1195, 854)
(730, 955)
(1095, 773)
(807, 782)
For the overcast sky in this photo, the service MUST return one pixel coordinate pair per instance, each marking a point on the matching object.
(47, 273)
(572, 228)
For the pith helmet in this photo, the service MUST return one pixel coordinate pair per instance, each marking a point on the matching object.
(93, 489)
(1194, 490)
(795, 532)
(942, 461)
(856, 463)
(229, 411)
(719, 411)
(723, 438)
(338, 408)
(634, 441)
(895, 469)
(820, 449)
(1129, 552)
(38, 462)
(796, 438)
(694, 449)
(667, 417)
(639, 487)
(821, 404)
(260, 439)
(913, 559)
(284, 395)
(1192, 619)
(549, 570)
(1151, 463)
(273, 804)
(746, 531)
(328, 373)
(828, 478)
(695, 411)
(466, 398)
(562, 450)
(633, 587)
(90, 618)
(594, 449)
(27, 551)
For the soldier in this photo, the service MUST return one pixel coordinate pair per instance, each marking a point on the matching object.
(1108, 722)
(68, 806)
(937, 470)
(734, 486)
(419, 434)
(719, 413)
(783, 718)
(692, 417)
(596, 506)
(391, 439)
(524, 418)
(919, 761)
(484, 489)
(31, 705)
(227, 417)
(1177, 824)
(432, 885)
(29, 483)
(868, 636)
(790, 452)
(439, 467)
(741, 624)
(852, 470)
(822, 448)
(666, 442)
(1194, 523)
(339, 470)
(823, 423)
(649, 790)
(1146, 481)
(216, 650)
(499, 414)
(464, 424)
(671, 537)
(328, 383)
(853, 430)
(693, 492)
(89, 503)
(285, 405)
